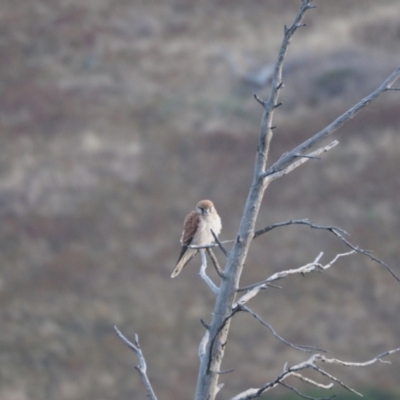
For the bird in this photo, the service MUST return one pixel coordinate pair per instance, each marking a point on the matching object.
(197, 228)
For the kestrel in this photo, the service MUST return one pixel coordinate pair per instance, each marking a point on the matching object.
(197, 232)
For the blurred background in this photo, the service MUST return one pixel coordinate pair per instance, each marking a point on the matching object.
(116, 118)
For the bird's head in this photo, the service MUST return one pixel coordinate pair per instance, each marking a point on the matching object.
(205, 207)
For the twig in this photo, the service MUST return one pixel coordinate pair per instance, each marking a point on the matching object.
(272, 103)
(312, 382)
(215, 263)
(220, 328)
(305, 348)
(261, 101)
(360, 364)
(211, 245)
(301, 161)
(289, 157)
(314, 266)
(142, 367)
(298, 222)
(293, 389)
(311, 364)
(226, 253)
(204, 323)
(337, 380)
(203, 274)
(337, 232)
(201, 247)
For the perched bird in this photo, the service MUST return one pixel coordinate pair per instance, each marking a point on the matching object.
(197, 232)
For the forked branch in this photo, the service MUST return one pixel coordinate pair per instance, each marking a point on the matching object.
(203, 274)
(142, 367)
(312, 363)
(291, 156)
(314, 266)
(338, 232)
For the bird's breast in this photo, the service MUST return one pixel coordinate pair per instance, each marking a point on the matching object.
(203, 235)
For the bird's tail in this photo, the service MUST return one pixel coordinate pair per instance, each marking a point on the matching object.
(185, 256)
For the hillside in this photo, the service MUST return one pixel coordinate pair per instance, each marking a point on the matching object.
(116, 118)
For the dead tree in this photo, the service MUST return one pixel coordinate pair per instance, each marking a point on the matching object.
(231, 298)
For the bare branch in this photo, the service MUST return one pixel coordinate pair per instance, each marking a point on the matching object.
(207, 326)
(312, 382)
(142, 367)
(311, 267)
(261, 101)
(205, 246)
(337, 232)
(333, 378)
(272, 103)
(203, 274)
(289, 157)
(298, 222)
(301, 161)
(219, 330)
(215, 263)
(303, 395)
(226, 253)
(305, 348)
(311, 364)
(360, 364)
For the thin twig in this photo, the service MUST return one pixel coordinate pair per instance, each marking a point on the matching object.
(298, 222)
(289, 157)
(142, 367)
(300, 394)
(311, 364)
(334, 379)
(226, 253)
(337, 232)
(308, 349)
(314, 266)
(201, 247)
(312, 382)
(204, 323)
(215, 263)
(225, 320)
(261, 101)
(289, 168)
(272, 103)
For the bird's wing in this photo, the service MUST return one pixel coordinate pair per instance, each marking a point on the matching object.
(189, 228)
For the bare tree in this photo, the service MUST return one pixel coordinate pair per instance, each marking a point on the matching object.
(230, 297)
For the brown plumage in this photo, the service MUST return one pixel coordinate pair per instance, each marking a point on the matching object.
(197, 231)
